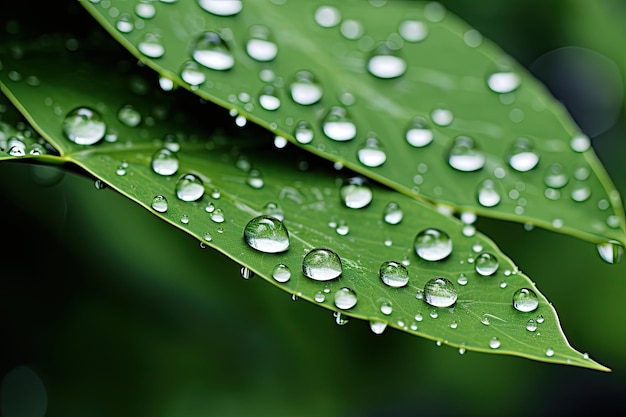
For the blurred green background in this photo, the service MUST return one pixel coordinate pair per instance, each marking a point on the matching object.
(105, 310)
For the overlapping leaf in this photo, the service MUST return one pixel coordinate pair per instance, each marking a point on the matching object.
(243, 173)
(554, 180)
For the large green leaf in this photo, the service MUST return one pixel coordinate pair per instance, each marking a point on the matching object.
(446, 84)
(306, 190)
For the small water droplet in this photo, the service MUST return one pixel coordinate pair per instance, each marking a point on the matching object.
(266, 234)
(540, 319)
(221, 7)
(503, 82)
(274, 210)
(523, 156)
(454, 325)
(345, 298)
(385, 62)
(246, 273)
(531, 325)
(461, 279)
(145, 10)
(440, 292)
(556, 176)
(580, 143)
(433, 314)
(525, 300)
(484, 319)
(319, 297)
(413, 30)
(356, 192)
(465, 155)
(217, 216)
(305, 89)
(433, 244)
(164, 162)
(255, 180)
(580, 192)
(281, 273)
(494, 343)
(340, 319)
(549, 352)
(321, 264)
(419, 317)
(159, 203)
(303, 132)
(487, 195)
(260, 45)
(337, 125)
(372, 154)
(129, 116)
(192, 74)
(419, 133)
(486, 264)
(327, 16)
(210, 50)
(386, 308)
(394, 274)
(442, 117)
(84, 126)
(184, 219)
(342, 228)
(268, 99)
(393, 214)
(124, 23)
(378, 327)
(351, 29)
(151, 46)
(611, 251)
(189, 188)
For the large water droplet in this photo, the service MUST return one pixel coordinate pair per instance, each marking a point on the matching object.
(164, 162)
(210, 50)
(523, 156)
(266, 234)
(321, 264)
(525, 300)
(393, 214)
(465, 155)
(221, 7)
(260, 45)
(433, 244)
(419, 133)
(281, 273)
(337, 125)
(189, 188)
(84, 126)
(440, 292)
(345, 298)
(394, 274)
(486, 264)
(159, 203)
(487, 195)
(372, 154)
(151, 46)
(305, 89)
(503, 82)
(192, 74)
(611, 251)
(356, 192)
(385, 63)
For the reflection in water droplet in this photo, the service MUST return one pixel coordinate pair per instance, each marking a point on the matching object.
(580, 143)
(221, 7)
(351, 29)
(433, 244)
(164, 162)
(385, 63)
(393, 214)
(523, 157)
(531, 325)
(413, 30)
(246, 273)
(303, 132)
(266, 234)
(486, 264)
(184, 219)
(151, 46)
(556, 177)
(340, 319)
(462, 279)
(372, 154)
(345, 298)
(321, 264)
(217, 216)
(386, 308)
(442, 117)
(268, 99)
(159, 203)
(378, 327)
(145, 10)
(192, 74)
(305, 89)
(465, 155)
(356, 192)
(319, 297)
(327, 16)
(84, 126)
(260, 45)
(440, 292)
(581, 192)
(189, 188)
(549, 352)
(255, 180)
(210, 50)
(129, 116)
(124, 23)
(494, 343)
(281, 273)
(525, 300)
(611, 251)
(394, 274)
(337, 125)
(487, 195)
(419, 133)
(503, 82)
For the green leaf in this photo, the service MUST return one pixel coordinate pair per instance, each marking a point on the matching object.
(448, 65)
(305, 189)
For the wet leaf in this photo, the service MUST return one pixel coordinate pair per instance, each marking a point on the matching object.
(415, 99)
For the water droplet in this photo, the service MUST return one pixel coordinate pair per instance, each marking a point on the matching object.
(503, 82)
(260, 45)
(419, 317)
(281, 273)
(393, 214)
(184, 219)
(556, 176)
(303, 132)
(611, 251)
(129, 116)
(166, 84)
(494, 343)
(159, 203)
(266, 234)
(189, 188)
(442, 117)
(549, 352)
(454, 325)
(440, 292)
(462, 279)
(210, 50)
(580, 143)
(327, 16)
(433, 314)
(581, 192)
(394, 274)
(246, 273)
(351, 29)
(486, 264)
(484, 319)
(540, 319)
(433, 244)
(305, 89)
(164, 162)
(215, 194)
(274, 210)
(192, 74)
(413, 30)
(337, 125)
(268, 99)
(356, 192)
(151, 46)
(465, 155)
(378, 327)
(525, 300)
(84, 126)
(385, 63)
(345, 298)
(531, 325)
(340, 319)
(372, 154)
(419, 133)
(321, 264)
(523, 157)
(487, 195)
(342, 228)
(221, 7)
(217, 216)
(255, 180)
(145, 10)
(386, 308)
(124, 23)
(319, 297)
